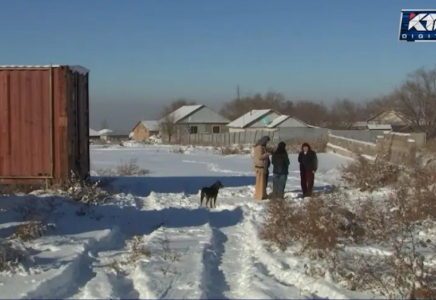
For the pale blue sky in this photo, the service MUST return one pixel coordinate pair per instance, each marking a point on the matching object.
(143, 53)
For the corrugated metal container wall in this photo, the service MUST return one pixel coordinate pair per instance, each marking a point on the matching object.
(44, 121)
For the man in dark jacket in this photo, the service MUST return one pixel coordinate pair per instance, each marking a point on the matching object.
(280, 161)
(308, 166)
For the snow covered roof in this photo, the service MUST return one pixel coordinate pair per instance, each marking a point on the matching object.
(183, 112)
(249, 118)
(74, 68)
(151, 125)
(93, 132)
(105, 132)
(379, 126)
(277, 121)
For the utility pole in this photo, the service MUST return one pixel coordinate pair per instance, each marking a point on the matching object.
(239, 98)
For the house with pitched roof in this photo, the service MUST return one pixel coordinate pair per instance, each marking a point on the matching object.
(192, 119)
(143, 130)
(264, 119)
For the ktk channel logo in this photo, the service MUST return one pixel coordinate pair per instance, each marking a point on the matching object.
(418, 25)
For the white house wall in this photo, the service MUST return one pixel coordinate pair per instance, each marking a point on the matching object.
(205, 115)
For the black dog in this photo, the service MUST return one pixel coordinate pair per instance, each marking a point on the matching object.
(211, 193)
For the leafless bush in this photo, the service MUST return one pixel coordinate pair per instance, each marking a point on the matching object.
(375, 219)
(169, 255)
(179, 150)
(368, 176)
(32, 230)
(234, 150)
(317, 224)
(403, 274)
(414, 199)
(12, 256)
(317, 144)
(137, 249)
(125, 169)
(131, 168)
(135, 252)
(82, 191)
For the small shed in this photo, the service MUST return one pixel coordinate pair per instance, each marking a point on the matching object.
(44, 123)
(144, 130)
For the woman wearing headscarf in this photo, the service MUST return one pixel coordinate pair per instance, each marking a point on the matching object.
(280, 161)
(261, 164)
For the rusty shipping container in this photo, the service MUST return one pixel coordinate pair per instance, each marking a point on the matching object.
(44, 123)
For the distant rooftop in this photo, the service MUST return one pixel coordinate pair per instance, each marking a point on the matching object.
(151, 125)
(249, 118)
(184, 111)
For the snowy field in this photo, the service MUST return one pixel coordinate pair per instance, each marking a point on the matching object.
(194, 252)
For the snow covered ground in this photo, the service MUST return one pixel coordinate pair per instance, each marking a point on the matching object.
(194, 252)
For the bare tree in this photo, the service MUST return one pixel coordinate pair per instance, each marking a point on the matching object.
(344, 113)
(241, 105)
(416, 98)
(312, 113)
(167, 124)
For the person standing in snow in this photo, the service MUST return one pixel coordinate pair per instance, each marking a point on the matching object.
(308, 166)
(261, 164)
(280, 161)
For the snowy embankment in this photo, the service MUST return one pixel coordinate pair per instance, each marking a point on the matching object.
(190, 252)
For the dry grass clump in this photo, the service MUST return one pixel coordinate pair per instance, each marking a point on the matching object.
(318, 145)
(369, 176)
(32, 230)
(130, 168)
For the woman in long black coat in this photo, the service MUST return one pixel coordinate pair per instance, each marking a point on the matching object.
(308, 166)
(280, 161)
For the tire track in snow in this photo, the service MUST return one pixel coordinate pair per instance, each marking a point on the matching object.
(290, 273)
(214, 282)
(247, 276)
(70, 279)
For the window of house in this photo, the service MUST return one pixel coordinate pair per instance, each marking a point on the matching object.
(194, 130)
(216, 129)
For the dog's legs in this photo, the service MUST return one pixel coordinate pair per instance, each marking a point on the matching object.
(214, 202)
(207, 202)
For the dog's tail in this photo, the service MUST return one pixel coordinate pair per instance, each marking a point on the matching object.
(201, 196)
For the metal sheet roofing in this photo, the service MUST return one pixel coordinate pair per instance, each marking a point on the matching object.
(249, 118)
(183, 112)
(151, 125)
(277, 121)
